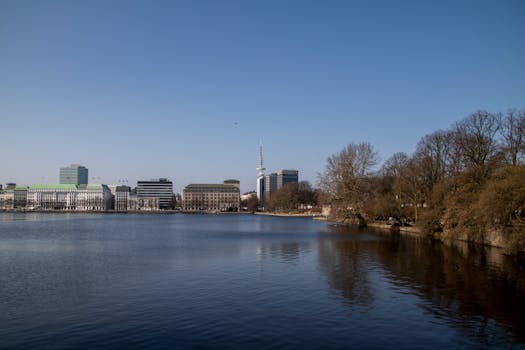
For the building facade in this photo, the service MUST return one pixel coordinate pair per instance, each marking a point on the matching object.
(260, 188)
(7, 199)
(52, 197)
(287, 177)
(74, 175)
(211, 197)
(147, 204)
(248, 195)
(95, 197)
(270, 186)
(20, 196)
(233, 182)
(121, 200)
(274, 181)
(69, 197)
(161, 189)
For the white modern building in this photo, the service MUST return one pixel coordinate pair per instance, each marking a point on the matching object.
(162, 189)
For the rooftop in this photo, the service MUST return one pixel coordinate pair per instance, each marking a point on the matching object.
(74, 166)
(53, 187)
(92, 187)
(210, 186)
(288, 172)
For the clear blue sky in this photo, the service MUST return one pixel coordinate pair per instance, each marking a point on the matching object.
(186, 89)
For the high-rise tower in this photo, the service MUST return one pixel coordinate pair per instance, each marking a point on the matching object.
(74, 174)
(260, 174)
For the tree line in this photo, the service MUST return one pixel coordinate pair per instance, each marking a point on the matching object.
(293, 196)
(468, 179)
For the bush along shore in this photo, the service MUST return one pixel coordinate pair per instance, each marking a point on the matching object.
(464, 183)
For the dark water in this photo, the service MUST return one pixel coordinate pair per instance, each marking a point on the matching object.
(197, 281)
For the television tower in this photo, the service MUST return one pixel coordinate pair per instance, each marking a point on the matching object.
(260, 174)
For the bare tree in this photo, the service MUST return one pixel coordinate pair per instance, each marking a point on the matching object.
(410, 186)
(513, 132)
(285, 198)
(250, 204)
(390, 173)
(433, 152)
(454, 158)
(475, 138)
(306, 194)
(345, 178)
(393, 165)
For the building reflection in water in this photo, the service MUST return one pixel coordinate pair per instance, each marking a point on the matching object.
(473, 288)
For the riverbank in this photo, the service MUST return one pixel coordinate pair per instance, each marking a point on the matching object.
(413, 230)
(300, 215)
(510, 243)
(381, 225)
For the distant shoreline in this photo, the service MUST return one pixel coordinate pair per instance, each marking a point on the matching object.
(312, 215)
(118, 212)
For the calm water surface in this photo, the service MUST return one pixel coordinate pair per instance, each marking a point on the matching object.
(241, 281)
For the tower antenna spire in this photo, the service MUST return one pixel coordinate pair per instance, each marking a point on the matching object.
(260, 173)
(260, 167)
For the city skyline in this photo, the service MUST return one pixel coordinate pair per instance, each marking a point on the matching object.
(64, 178)
(185, 90)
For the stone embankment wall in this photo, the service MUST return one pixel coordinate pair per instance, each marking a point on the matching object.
(510, 241)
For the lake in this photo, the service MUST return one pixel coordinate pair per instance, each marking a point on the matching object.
(247, 282)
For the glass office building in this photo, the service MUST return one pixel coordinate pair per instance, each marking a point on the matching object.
(74, 175)
(161, 189)
(274, 181)
(287, 177)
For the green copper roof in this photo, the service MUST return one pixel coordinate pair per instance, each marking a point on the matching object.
(53, 187)
(92, 187)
